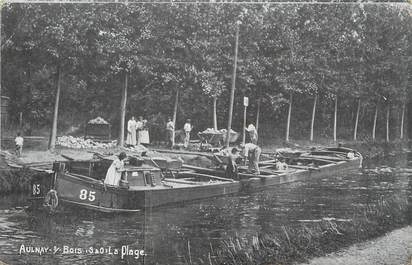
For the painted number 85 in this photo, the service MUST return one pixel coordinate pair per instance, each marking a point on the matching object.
(36, 189)
(87, 195)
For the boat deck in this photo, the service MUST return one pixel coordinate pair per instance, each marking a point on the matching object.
(177, 183)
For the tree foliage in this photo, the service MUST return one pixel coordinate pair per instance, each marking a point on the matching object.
(353, 51)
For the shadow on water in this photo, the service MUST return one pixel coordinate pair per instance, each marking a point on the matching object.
(187, 233)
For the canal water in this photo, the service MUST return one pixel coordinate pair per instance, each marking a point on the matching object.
(188, 233)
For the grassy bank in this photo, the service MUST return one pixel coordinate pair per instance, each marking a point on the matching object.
(301, 242)
(15, 181)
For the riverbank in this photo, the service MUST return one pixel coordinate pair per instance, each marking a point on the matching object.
(394, 248)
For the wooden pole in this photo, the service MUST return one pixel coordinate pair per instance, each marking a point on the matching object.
(53, 135)
(402, 119)
(355, 131)
(387, 122)
(312, 123)
(232, 92)
(289, 115)
(258, 115)
(175, 116)
(215, 113)
(375, 118)
(123, 109)
(1, 108)
(335, 119)
(244, 125)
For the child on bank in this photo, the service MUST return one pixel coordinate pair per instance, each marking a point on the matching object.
(19, 144)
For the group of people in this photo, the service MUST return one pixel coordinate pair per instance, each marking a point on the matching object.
(137, 132)
(170, 128)
(249, 150)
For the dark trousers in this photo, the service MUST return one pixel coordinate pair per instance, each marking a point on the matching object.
(169, 135)
(253, 158)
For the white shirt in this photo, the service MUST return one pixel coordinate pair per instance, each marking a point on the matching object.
(19, 140)
(187, 127)
(170, 126)
(250, 128)
(249, 147)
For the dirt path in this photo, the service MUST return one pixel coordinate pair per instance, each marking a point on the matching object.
(394, 248)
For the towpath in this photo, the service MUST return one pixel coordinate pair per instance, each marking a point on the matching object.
(395, 248)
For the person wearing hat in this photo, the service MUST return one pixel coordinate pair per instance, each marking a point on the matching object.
(231, 168)
(187, 128)
(252, 133)
(114, 173)
(252, 152)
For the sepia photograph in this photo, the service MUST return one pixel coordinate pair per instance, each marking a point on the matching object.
(210, 132)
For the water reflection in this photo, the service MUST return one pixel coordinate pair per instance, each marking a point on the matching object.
(187, 233)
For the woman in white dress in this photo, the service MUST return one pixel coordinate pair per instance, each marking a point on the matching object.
(114, 173)
(131, 132)
(143, 131)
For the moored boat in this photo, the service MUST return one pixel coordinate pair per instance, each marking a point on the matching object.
(153, 183)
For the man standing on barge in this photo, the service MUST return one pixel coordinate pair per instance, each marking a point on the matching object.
(252, 152)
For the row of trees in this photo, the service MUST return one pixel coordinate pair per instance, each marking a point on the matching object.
(156, 60)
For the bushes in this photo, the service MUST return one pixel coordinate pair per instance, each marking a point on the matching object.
(15, 181)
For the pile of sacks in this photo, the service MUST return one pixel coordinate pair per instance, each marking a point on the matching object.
(138, 148)
(224, 131)
(211, 130)
(80, 142)
(98, 120)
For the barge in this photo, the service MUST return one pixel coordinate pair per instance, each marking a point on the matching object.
(152, 183)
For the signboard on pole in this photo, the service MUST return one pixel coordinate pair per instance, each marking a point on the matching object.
(245, 101)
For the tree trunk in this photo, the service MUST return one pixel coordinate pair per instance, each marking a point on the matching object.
(387, 122)
(232, 91)
(312, 123)
(123, 109)
(20, 120)
(374, 123)
(244, 125)
(258, 114)
(289, 115)
(1, 107)
(402, 119)
(52, 142)
(356, 120)
(335, 119)
(215, 113)
(175, 115)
